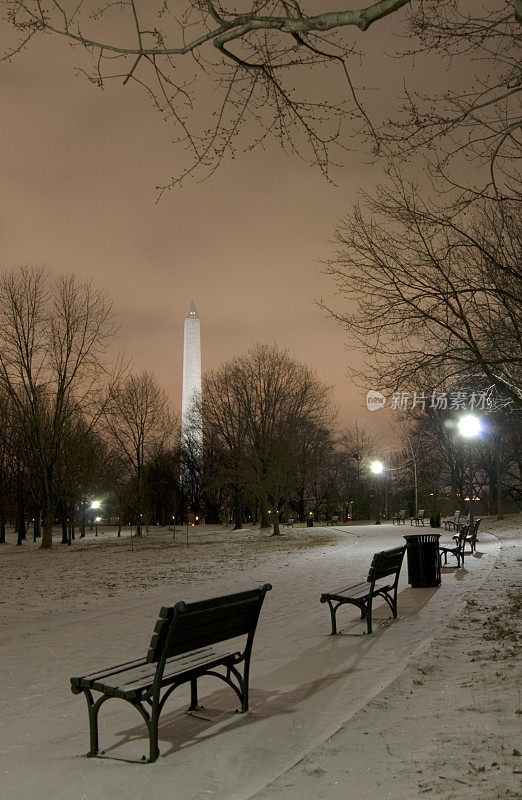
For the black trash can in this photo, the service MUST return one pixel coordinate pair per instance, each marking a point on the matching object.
(310, 522)
(422, 551)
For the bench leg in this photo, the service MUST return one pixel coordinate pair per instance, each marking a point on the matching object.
(151, 720)
(240, 685)
(193, 694)
(152, 725)
(368, 615)
(244, 691)
(332, 616)
(93, 709)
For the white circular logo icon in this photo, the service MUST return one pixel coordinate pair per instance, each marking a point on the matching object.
(375, 400)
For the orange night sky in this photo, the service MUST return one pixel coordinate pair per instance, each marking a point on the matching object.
(79, 171)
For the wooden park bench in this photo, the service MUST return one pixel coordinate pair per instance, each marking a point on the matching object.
(418, 518)
(181, 651)
(452, 522)
(384, 564)
(456, 549)
(289, 523)
(399, 517)
(471, 535)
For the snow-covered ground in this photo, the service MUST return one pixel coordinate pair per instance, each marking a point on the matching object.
(428, 704)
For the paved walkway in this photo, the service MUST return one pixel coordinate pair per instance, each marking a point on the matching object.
(305, 684)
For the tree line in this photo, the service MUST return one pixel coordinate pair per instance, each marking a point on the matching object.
(77, 424)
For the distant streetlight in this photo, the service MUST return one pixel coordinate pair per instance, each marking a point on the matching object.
(470, 426)
(377, 467)
(96, 504)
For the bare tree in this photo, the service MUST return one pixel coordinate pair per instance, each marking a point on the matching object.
(247, 66)
(357, 445)
(225, 426)
(192, 463)
(475, 120)
(161, 484)
(8, 446)
(84, 467)
(136, 423)
(429, 290)
(53, 339)
(279, 399)
(315, 465)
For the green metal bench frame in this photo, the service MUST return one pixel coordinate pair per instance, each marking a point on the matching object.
(471, 536)
(418, 518)
(456, 549)
(384, 564)
(181, 651)
(453, 521)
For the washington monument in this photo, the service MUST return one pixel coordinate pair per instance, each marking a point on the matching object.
(190, 399)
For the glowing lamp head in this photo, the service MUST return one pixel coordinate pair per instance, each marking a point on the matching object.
(96, 504)
(377, 467)
(469, 426)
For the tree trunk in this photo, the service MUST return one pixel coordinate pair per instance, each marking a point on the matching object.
(82, 521)
(238, 519)
(2, 526)
(301, 506)
(20, 524)
(37, 531)
(71, 523)
(276, 531)
(138, 499)
(63, 523)
(47, 532)
(499, 488)
(265, 519)
(20, 510)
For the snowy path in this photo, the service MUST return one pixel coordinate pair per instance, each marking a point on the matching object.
(304, 683)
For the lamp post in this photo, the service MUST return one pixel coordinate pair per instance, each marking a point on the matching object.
(377, 467)
(469, 427)
(356, 456)
(95, 505)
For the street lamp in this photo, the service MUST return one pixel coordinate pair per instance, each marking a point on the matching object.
(469, 427)
(96, 504)
(357, 457)
(377, 467)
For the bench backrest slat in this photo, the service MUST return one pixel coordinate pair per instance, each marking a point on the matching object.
(387, 562)
(463, 533)
(189, 626)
